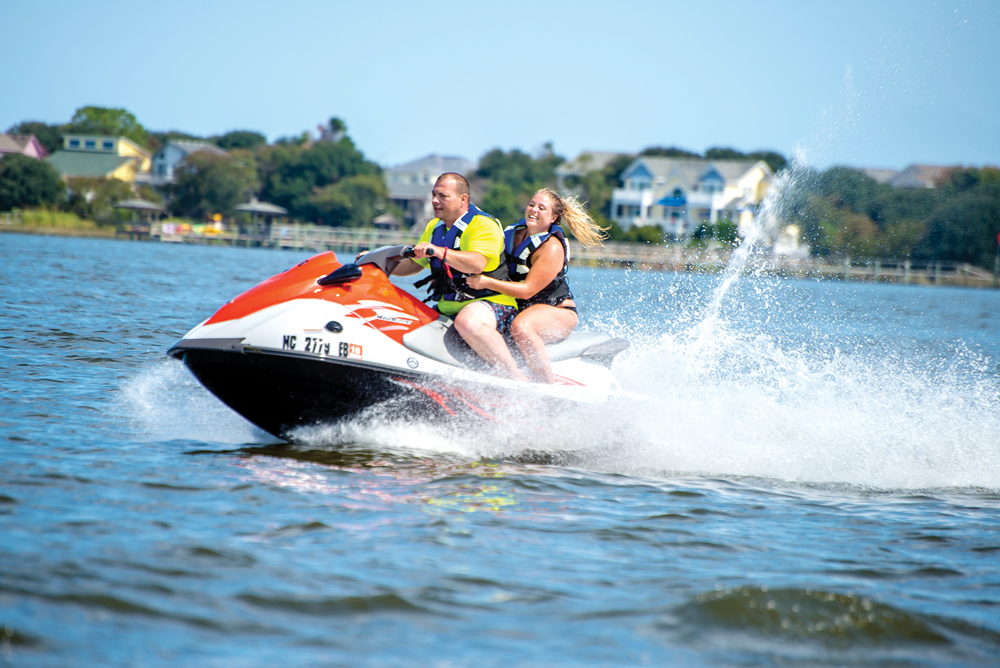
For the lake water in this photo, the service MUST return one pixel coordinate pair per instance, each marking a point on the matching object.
(807, 474)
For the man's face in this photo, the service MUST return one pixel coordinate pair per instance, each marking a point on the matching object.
(447, 202)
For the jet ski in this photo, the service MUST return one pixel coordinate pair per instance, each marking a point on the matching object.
(324, 341)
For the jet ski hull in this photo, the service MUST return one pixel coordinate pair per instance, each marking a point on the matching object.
(279, 393)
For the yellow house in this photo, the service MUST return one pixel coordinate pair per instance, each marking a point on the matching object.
(100, 156)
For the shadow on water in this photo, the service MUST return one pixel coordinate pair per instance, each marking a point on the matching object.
(362, 457)
(842, 627)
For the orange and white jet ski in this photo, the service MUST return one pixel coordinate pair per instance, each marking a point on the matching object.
(323, 341)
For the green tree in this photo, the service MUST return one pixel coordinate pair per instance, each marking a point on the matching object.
(206, 183)
(291, 174)
(596, 187)
(813, 214)
(501, 202)
(701, 235)
(354, 201)
(240, 139)
(161, 138)
(891, 205)
(108, 121)
(94, 199)
(774, 160)
(901, 239)
(965, 226)
(334, 130)
(726, 232)
(645, 234)
(724, 153)
(848, 188)
(517, 169)
(27, 182)
(669, 152)
(49, 136)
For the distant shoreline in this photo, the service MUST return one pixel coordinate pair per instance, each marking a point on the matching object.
(805, 268)
(96, 233)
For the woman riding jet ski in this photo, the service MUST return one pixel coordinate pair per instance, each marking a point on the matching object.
(323, 341)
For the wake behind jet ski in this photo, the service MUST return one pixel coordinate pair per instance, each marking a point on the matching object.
(324, 341)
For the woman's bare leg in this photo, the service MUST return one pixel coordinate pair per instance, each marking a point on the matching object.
(534, 327)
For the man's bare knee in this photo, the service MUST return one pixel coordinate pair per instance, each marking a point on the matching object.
(474, 320)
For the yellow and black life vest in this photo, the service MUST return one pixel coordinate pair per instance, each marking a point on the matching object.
(446, 283)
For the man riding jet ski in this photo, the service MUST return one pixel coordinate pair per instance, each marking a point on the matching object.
(323, 341)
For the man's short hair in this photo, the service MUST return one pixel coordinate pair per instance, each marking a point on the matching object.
(461, 183)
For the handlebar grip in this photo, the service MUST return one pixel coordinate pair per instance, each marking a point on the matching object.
(408, 252)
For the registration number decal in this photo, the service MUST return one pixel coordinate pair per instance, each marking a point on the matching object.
(319, 346)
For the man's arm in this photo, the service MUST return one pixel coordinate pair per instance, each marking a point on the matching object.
(467, 262)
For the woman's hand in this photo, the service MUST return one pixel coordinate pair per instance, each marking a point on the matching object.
(476, 281)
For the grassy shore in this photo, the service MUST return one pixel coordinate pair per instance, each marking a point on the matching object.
(54, 223)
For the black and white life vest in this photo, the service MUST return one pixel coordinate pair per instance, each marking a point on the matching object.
(447, 283)
(519, 263)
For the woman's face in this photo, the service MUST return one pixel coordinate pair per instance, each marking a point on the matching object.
(539, 211)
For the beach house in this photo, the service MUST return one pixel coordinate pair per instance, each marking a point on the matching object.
(679, 194)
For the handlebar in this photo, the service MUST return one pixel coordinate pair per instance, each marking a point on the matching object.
(408, 252)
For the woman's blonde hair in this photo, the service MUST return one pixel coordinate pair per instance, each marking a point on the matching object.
(571, 211)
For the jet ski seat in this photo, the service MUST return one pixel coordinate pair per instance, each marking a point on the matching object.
(439, 341)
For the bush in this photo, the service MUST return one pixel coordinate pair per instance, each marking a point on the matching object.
(27, 182)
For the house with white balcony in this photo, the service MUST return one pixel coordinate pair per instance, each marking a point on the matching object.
(679, 194)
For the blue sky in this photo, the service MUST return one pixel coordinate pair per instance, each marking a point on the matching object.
(874, 83)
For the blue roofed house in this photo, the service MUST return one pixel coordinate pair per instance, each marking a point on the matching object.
(410, 184)
(169, 156)
(679, 194)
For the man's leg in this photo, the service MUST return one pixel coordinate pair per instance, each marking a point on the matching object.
(477, 323)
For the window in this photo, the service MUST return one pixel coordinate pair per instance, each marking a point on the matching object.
(74, 143)
(91, 144)
(108, 146)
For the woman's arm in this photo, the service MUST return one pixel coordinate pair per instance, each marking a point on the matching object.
(546, 265)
